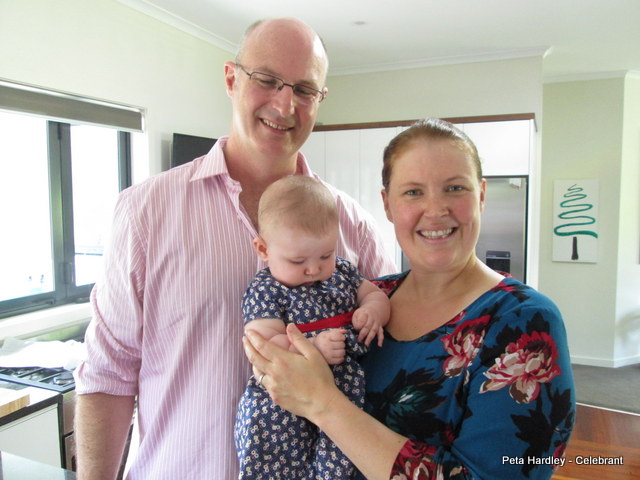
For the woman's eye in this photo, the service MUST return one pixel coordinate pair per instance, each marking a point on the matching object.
(456, 188)
(412, 193)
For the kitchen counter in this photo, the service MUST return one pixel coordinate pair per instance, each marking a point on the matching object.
(39, 398)
(13, 467)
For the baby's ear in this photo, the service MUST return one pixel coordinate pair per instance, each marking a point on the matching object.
(260, 246)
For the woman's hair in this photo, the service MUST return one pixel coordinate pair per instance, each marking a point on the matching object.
(297, 201)
(428, 129)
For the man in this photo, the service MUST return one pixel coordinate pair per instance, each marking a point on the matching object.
(167, 327)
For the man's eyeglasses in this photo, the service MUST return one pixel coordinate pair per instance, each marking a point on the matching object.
(304, 93)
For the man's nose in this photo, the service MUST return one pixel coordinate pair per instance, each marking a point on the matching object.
(284, 100)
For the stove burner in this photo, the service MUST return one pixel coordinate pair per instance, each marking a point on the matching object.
(58, 379)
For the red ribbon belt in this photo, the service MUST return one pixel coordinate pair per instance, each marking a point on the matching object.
(338, 321)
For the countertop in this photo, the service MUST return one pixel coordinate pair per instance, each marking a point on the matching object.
(13, 467)
(39, 398)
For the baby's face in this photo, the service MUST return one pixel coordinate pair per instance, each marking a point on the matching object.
(299, 258)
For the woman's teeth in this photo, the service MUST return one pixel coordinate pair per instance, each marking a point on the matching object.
(434, 234)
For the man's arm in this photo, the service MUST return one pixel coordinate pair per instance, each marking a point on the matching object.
(101, 426)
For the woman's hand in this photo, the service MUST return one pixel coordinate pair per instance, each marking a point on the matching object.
(300, 383)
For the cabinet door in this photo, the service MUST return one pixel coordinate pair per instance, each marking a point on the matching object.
(314, 152)
(35, 437)
(504, 147)
(372, 144)
(342, 160)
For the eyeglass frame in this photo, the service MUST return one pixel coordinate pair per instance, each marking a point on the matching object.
(294, 86)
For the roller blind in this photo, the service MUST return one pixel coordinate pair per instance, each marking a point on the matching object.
(68, 107)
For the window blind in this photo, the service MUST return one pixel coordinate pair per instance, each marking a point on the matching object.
(68, 107)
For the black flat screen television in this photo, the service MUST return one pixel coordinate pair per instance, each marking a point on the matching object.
(187, 147)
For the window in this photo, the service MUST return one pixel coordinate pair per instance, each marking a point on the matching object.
(59, 181)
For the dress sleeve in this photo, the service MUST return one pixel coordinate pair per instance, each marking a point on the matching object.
(263, 299)
(517, 397)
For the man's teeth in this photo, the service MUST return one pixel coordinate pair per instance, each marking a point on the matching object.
(275, 125)
(433, 234)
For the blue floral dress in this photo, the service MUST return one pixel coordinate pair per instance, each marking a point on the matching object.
(272, 443)
(488, 395)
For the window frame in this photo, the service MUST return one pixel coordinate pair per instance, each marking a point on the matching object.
(61, 218)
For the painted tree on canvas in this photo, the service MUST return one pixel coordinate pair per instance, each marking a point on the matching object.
(574, 206)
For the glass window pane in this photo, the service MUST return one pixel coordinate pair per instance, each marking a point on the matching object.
(94, 165)
(25, 245)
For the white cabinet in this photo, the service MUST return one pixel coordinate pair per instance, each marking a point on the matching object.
(504, 147)
(351, 160)
(35, 436)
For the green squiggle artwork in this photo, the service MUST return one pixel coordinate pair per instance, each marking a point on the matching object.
(574, 196)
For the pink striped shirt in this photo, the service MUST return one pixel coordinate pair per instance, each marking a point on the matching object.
(167, 323)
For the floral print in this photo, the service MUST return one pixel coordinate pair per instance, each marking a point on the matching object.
(463, 344)
(525, 365)
(488, 395)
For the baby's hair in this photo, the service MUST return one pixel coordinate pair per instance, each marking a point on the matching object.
(297, 201)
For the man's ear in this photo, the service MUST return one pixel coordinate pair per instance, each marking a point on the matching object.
(260, 246)
(229, 76)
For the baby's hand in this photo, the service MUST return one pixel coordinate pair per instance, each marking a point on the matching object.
(331, 344)
(368, 324)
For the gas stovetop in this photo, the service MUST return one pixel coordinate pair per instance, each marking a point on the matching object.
(56, 379)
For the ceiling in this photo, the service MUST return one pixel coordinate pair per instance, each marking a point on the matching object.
(578, 38)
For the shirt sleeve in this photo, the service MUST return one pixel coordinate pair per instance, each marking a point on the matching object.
(519, 400)
(113, 338)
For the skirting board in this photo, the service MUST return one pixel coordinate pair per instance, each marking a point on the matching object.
(605, 362)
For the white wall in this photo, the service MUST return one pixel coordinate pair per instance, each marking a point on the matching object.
(592, 131)
(103, 49)
(627, 339)
(483, 88)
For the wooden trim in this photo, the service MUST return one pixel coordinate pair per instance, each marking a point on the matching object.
(406, 123)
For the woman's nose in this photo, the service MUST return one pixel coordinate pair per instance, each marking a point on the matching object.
(434, 206)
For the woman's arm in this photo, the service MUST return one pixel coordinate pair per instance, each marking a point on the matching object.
(304, 385)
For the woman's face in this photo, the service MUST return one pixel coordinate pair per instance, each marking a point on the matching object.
(435, 200)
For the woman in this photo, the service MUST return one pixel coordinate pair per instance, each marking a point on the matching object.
(474, 378)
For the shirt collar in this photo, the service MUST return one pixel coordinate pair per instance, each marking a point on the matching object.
(214, 163)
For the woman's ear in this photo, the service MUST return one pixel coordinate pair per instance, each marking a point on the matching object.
(385, 202)
(483, 193)
(260, 246)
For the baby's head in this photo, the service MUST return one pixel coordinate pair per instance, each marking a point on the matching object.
(298, 227)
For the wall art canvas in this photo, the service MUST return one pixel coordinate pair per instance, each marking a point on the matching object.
(575, 221)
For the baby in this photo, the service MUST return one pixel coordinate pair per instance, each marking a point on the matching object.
(306, 284)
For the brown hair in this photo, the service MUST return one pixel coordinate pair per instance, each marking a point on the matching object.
(297, 201)
(428, 129)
